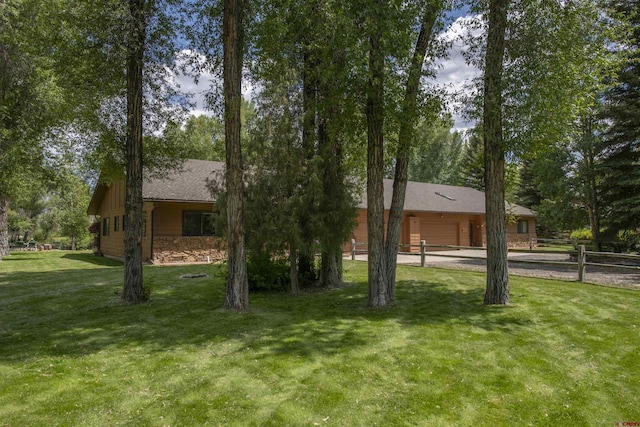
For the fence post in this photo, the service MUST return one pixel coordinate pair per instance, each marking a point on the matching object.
(423, 247)
(581, 261)
(530, 242)
(353, 249)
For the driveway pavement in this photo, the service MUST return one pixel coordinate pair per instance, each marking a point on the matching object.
(460, 255)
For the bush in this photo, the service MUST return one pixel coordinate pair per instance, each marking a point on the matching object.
(581, 234)
(263, 273)
(266, 273)
(64, 243)
(631, 238)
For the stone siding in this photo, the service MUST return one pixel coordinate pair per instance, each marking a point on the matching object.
(187, 249)
(515, 240)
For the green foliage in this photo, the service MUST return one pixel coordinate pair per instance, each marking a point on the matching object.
(630, 239)
(201, 137)
(437, 153)
(18, 224)
(30, 98)
(471, 172)
(551, 181)
(63, 242)
(620, 166)
(581, 234)
(68, 204)
(266, 273)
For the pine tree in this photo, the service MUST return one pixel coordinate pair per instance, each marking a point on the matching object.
(472, 164)
(621, 163)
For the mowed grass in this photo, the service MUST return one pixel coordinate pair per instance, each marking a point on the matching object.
(72, 354)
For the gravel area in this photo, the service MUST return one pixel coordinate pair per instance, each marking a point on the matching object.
(526, 264)
(599, 275)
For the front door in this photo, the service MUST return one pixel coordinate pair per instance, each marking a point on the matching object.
(472, 234)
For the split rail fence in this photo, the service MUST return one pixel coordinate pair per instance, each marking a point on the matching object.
(581, 256)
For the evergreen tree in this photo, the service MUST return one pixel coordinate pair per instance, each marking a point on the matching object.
(528, 194)
(471, 172)
(621, 163)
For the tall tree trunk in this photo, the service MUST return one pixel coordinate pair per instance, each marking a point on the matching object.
(237, 297)
(332, 187)
(133, 291)
(4, 226)
(306, 268)
(497, 290)
(293, 271)
(405, 140)
(375, 165)
(330, 271)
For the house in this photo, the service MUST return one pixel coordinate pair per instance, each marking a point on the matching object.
(177, 211)
(178, 208)
(447, 215)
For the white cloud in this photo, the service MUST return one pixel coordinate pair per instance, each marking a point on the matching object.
(206, 84)
(454, 74)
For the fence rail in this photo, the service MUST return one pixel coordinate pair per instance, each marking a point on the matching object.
(580, 254)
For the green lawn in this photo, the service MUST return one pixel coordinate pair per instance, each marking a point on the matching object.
(563, 354)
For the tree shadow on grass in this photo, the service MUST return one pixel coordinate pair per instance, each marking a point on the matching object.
(345, 323)
(15, 256)
(73, 320)
(92, 259)
(436, 303)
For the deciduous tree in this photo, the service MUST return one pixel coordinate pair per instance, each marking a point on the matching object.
(497, 286)
(237, 295)
(133, 291)
(409, 114)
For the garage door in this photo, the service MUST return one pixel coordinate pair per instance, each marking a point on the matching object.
(439, 233)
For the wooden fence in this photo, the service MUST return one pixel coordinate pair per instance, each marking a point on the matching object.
(581, 255)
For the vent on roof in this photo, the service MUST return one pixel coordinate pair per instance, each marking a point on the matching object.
(445, 196)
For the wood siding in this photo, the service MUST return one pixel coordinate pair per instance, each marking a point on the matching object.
(167, 216)
(112, 207)
(441, 229)
(112, 245)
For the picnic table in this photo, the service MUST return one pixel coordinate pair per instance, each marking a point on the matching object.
(19, 245)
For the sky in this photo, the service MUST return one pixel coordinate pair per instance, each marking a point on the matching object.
(453, 74)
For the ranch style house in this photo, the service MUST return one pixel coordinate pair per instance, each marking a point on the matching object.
(177, 209)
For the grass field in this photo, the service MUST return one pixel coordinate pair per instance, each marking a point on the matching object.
(563, 354)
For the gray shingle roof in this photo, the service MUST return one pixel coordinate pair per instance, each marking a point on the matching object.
(188, 184)
(423, 197)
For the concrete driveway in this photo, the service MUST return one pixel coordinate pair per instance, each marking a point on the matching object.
(461, 255)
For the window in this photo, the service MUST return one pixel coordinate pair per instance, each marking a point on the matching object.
(197, 223)
(523, 226)
(144, 223)
(115, 223)
(105, 226)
